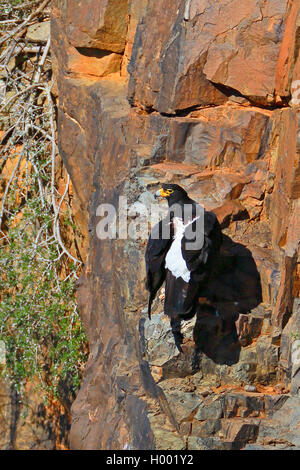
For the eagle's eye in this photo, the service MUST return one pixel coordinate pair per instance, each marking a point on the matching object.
(169, 191)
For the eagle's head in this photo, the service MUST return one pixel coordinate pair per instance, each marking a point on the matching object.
(172, 192)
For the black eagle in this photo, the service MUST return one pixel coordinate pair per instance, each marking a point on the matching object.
(181, 252)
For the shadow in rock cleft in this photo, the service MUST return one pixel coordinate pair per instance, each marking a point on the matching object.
(234, 288)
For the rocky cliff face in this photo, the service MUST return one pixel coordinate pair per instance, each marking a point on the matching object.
(199, 93)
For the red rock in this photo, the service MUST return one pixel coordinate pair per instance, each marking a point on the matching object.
(236, 158)
(244, 430)
(289, 49)
(174, 80)
(230, 211)
(136, 10)
(241, 45)
(98, 25)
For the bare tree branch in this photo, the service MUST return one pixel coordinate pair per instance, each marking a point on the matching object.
(24, 24)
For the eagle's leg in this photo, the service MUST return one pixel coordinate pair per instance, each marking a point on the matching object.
(196, 359)
(175, 323)
(197, 353)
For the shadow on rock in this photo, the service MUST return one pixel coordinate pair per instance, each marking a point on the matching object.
(234, 288)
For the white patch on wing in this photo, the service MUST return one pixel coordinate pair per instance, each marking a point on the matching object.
(174, 259)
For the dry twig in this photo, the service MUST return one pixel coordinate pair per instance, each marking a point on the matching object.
(22, 26)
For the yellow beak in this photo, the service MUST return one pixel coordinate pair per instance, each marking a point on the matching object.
(162, 193)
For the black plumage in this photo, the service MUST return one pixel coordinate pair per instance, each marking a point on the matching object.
(182, 291)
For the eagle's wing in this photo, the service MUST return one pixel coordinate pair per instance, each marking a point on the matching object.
(199, 259)
(157, 247)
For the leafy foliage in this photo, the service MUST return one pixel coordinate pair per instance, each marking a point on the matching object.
(39, 263)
